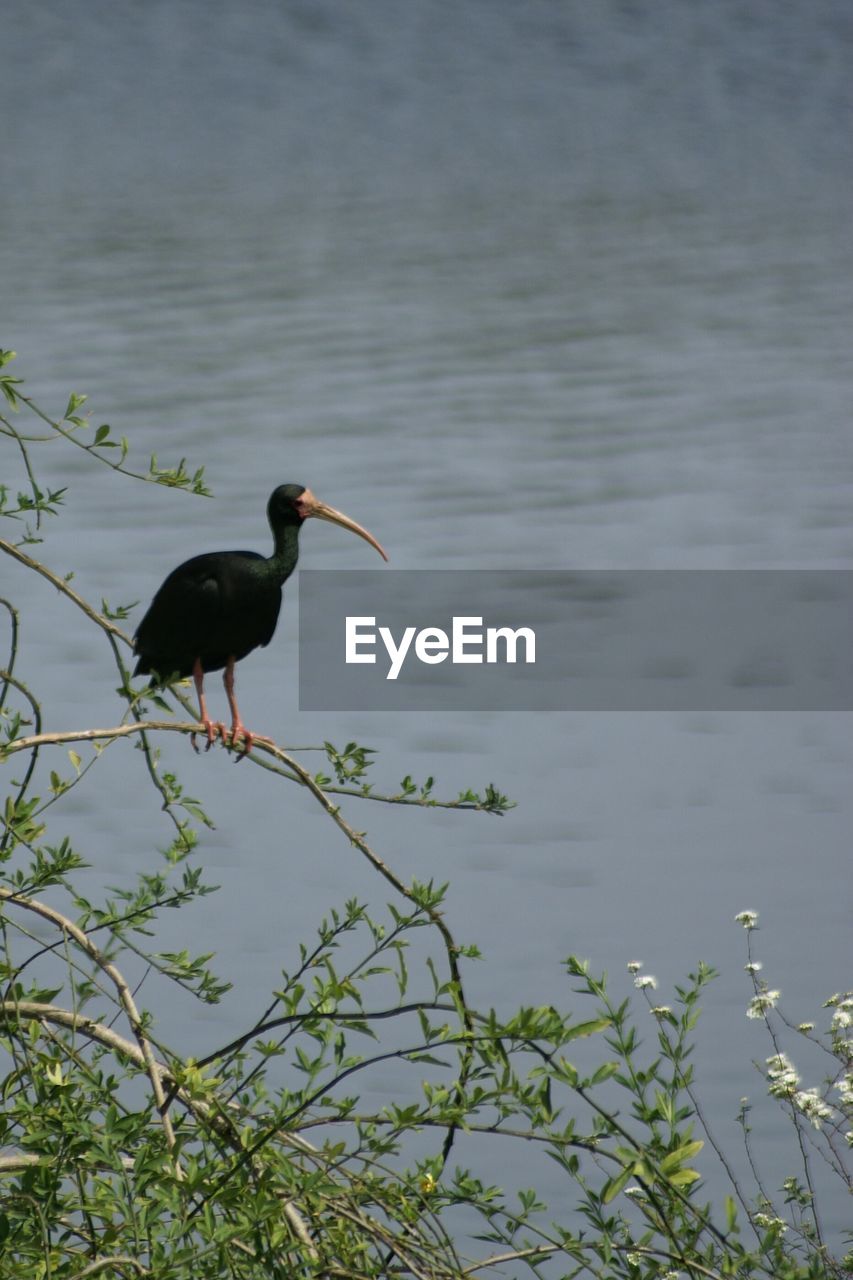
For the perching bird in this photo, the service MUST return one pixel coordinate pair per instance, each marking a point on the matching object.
(215, 608)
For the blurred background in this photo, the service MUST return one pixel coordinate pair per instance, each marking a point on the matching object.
(539, 286)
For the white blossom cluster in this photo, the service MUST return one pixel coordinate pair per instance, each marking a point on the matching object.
(812, 1106)
(845, 1088)
(766, 1220)
(843, 1016)
(759, 1004)
(641, 980)
(782, 1075)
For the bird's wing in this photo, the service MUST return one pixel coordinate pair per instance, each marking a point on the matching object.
(186, 614)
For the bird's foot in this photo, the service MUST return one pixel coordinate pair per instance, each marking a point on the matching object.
(239, 730)
(212, 731)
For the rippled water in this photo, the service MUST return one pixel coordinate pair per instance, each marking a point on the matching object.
(561, 287)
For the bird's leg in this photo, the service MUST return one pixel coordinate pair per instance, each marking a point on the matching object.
(238, 729)
(210, 728)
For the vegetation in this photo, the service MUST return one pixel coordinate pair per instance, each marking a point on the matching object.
(121, 1156)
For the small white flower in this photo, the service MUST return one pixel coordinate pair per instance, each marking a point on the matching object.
(644, 980)
(767, 1220)
(749, 919)
(843, 1016)
(845, 1088)
(754, 966)
(782, 1076)
(806, 1027)
(759, 1004)
(661, 1011)
(634, 966)
(812, 1106)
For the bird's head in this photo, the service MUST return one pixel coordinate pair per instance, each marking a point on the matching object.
(293, 504)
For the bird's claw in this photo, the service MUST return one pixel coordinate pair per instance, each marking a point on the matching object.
(212, 731)
(216, 729)
(239, 730)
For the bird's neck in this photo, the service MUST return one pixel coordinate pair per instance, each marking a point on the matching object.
(286, 553)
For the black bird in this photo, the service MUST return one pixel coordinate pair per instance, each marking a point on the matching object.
(215, 608)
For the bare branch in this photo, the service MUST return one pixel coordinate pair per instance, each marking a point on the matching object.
(30, 563)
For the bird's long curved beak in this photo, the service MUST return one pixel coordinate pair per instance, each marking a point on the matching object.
(310, 506)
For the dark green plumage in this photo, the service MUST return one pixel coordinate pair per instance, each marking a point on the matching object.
(214, 609)
(222, 604)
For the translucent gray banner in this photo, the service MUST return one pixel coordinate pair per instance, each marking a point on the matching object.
(638, 640)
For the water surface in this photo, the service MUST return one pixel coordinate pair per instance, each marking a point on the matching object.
(565, 287)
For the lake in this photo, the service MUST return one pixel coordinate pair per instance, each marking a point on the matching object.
(560, 287)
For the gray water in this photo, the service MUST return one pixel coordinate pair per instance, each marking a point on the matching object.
(553, 286)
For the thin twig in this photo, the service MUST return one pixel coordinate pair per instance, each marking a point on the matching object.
(117, 1261)
(6, 675)
(61, 585)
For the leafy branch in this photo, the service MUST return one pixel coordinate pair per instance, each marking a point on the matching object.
(70, 427)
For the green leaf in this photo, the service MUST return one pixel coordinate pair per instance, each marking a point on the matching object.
(6, 384)
(614, 1185)
(678, 1157)
(74, 402)
(582, 1029)
(604, 1072)
(731, 1214)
